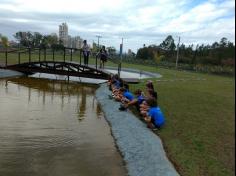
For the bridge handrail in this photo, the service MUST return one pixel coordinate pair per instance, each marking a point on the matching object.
(29, 50)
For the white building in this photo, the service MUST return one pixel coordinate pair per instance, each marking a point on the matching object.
(77, 42)
(63, 34)
(67, 40)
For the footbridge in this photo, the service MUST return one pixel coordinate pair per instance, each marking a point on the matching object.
(66, 61)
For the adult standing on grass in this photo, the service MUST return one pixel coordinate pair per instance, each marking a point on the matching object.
(86, 52)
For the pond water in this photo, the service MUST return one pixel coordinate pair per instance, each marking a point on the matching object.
(52, 128)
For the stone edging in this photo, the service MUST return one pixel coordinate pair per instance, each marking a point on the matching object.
(141, 149)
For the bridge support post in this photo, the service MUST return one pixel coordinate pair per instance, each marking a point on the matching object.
(44, 54)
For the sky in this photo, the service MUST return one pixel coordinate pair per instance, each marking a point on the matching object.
(138, 22)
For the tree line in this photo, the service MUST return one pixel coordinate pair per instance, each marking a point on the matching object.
(218, 53)
(36, 39)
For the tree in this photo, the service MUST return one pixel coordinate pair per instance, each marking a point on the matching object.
(24, 38)
(37, 39)
(111, 50)
(49, 41)
(215, 45)
(168, 44)
(223, 42)
(4, 40)
(145, 53)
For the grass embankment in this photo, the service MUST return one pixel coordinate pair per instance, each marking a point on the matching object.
(199, 135)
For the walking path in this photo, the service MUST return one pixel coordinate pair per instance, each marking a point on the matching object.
(141, 149)
(9, 73)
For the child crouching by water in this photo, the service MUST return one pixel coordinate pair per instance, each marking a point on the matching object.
(154, 117)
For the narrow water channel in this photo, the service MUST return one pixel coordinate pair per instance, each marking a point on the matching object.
(51, 128)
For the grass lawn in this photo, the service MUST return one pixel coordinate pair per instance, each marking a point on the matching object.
(199, 135)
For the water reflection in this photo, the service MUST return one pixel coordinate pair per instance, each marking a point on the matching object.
(50, 88)
(41, 132)
(81, 113)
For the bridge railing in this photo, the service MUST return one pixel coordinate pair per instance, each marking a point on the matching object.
(27, 55)
(24, 55)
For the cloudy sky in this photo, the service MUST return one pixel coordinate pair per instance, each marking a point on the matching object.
(137, 21)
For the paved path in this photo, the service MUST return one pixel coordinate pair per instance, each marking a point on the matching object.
(9, 73)
(142, 150)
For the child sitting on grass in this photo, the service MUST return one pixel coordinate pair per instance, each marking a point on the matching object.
(144, 107)
(136, 101)
(154, 117)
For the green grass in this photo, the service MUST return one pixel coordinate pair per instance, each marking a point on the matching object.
(199, 136)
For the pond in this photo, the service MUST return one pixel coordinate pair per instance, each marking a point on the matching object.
(49, 127)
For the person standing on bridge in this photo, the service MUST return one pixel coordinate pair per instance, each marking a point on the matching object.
(103, 56)
(86, 52)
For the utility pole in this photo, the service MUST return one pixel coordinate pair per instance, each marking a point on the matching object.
(98, 36)
(177, 57)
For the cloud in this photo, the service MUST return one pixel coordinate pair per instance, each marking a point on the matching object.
(138, 22)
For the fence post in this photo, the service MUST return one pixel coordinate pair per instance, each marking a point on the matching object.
(18, 57)
(119, 69)
(80, 53)
(71, 54)
(53, 54)
(53, 57)
(29, 55)
(39, 54)
(44, 54)
(5, 58)
(97, 62)
(64, 54)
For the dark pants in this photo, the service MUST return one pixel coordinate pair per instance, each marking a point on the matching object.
(86, 57)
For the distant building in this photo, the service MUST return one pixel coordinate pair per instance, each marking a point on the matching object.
(67, 40)
(63, 34)
(129, 52)
(76, 42)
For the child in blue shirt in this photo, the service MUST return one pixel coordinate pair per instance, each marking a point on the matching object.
(154, 118)
(136, 101)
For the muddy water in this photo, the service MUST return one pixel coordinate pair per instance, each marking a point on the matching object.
(51, 128)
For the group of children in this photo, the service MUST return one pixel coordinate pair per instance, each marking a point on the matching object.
(146, 104)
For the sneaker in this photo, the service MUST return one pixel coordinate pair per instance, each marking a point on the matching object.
(122, 108)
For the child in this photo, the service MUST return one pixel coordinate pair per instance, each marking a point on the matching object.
(154, 117)
(137, 101)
